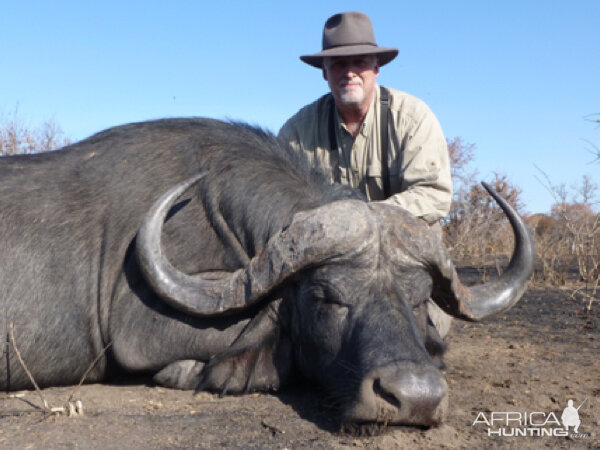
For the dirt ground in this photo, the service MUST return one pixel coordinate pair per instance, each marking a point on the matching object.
(533, 359)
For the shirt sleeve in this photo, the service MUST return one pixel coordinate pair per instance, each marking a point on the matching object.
(424, 166)
(289, 134)
(301, 130)
(285, 131)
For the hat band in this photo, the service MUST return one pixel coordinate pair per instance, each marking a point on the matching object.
(353, 44)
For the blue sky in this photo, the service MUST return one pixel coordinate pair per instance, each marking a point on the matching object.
(515, 78)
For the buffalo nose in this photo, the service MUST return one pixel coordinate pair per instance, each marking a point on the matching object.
(408, 394)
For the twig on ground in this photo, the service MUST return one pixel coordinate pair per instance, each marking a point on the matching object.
(18, 353)
(87, 372)
(71, 408)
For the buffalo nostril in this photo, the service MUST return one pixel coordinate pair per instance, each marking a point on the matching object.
(385, 395)
(403, 393)
(417, 394)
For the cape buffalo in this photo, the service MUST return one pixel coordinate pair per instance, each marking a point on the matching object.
(262, 272)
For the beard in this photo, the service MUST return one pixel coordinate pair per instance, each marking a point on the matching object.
(351, 95)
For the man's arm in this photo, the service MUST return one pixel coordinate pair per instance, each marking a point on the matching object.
(287, 133)
(424, 166)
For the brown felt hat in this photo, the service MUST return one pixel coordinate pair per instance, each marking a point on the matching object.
(348, 34)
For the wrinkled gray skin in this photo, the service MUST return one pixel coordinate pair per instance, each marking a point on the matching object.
(262, 274)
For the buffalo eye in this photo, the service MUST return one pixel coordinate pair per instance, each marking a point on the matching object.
(329, 311)
(321, 322)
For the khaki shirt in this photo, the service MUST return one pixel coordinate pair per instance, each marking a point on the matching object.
(418, 162)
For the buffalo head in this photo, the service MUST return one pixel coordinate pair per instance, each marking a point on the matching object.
(347, 278)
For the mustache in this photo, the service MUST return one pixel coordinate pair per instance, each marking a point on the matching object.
(344, 82)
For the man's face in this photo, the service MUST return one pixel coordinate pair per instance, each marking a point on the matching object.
(351, 78)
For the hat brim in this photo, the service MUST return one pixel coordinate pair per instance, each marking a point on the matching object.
(384, 54)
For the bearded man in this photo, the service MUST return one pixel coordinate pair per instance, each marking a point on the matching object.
(382, 141)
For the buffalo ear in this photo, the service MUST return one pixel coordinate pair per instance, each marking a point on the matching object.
(259, 360)
(435, 345)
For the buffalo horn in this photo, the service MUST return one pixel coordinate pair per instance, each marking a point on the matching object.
(479, 302)
(312, 237)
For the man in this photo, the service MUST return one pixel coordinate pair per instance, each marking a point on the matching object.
(382, 141)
